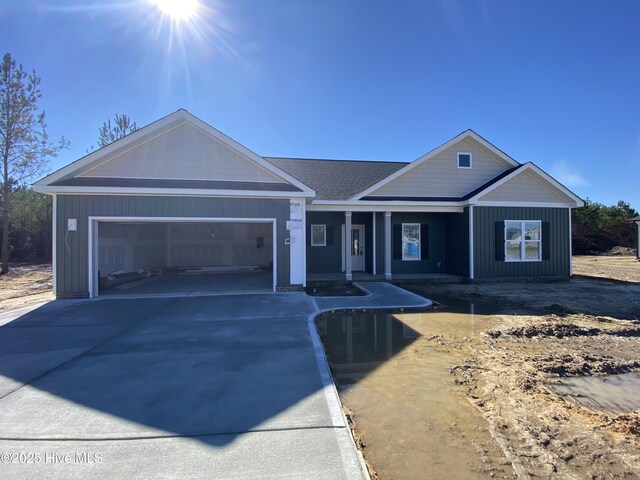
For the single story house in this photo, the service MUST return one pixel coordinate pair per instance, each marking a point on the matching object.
(180, 194)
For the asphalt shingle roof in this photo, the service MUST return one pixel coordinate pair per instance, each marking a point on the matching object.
(336, 179)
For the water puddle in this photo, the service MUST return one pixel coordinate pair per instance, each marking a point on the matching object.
(393, 372)
(618, 393)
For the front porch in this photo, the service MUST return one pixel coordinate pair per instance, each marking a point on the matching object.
(387, 245)
(369, 277)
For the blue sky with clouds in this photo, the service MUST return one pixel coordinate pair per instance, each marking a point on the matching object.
(555, 83)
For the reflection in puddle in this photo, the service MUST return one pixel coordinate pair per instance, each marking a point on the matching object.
(619, 393)
(393, 371)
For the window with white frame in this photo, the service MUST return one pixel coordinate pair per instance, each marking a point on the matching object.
(464, 160)
(410, 241)
(318, 235)
(522, 240)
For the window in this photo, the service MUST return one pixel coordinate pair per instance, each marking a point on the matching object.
(318, 235)
(410, 241)
(522, 241)
(464, 160)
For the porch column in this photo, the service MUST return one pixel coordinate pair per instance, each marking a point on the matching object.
(347, 246)
(387, 245)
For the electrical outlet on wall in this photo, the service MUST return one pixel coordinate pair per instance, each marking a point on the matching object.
(72, 224)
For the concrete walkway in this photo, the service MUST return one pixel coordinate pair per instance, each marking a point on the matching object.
(195, 387)
(379, 295)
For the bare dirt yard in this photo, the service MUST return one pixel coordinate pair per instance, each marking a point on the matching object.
(555, 371)
(25, 285)
(625, 268)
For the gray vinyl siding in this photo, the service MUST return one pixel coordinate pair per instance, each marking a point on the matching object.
(486, 265)
(436, 224)
(328, 259)
(457, 243)
(72, 261)
(380, 243)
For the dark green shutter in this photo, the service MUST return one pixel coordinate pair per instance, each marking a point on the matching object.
(424, 242)
(308, 235)
(397, 242)
(499, 241)
(546, 241)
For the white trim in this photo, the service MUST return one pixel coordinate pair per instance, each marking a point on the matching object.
(386, 207)
(470, 160)
(387, 246)
(570, 247)
(180, 117)
(522, 204)
(140, 191)
(347, 244)
(373, 237)
(578, 202)
(54, 246)
(464, 135)
(304, 248)
(324, 242)
(523, 241)
(93, 242)
(419, 243)
(471, 245)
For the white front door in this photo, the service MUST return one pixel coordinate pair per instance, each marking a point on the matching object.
(357, 248)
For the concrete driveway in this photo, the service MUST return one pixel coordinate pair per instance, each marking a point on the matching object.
(202, 387)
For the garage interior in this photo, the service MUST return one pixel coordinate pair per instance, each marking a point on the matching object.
(138, 258)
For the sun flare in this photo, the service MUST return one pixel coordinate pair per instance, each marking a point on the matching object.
(178, 10)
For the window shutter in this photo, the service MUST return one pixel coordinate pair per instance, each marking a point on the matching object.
(397, 242)
(330, 234)
(499, 241)
(424, 242)
(308, 235)
(546, 241)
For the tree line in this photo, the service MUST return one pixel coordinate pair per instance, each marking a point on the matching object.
(26, 152)
(25, 155)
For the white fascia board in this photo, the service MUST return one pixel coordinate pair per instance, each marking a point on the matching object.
(159, 126)
(577, 201)
(129, 140)
(188, 192)
(241, 149)
(522, 204)
(387, 207)
(433, 153)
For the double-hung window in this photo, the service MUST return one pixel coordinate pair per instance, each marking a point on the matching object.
(522, 240)
(410, 241)
(318, 235)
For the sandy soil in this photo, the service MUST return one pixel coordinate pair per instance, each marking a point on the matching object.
(625, 268)
(25, 285)
(540, 334)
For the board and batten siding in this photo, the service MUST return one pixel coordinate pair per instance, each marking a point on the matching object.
(72, 248)
(485, 263)
(457, 243)
(328, 258)
(441, 177)
(436, 243)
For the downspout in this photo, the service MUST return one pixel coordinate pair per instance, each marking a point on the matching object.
(54, 245)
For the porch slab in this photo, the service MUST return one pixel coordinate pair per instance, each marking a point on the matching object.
(379, 295)
(369, 277)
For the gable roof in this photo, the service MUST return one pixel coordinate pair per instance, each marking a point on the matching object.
(533, 168)
(336, 179)
(68, 178)
(467, 134)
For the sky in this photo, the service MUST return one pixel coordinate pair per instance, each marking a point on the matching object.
(553, 82)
